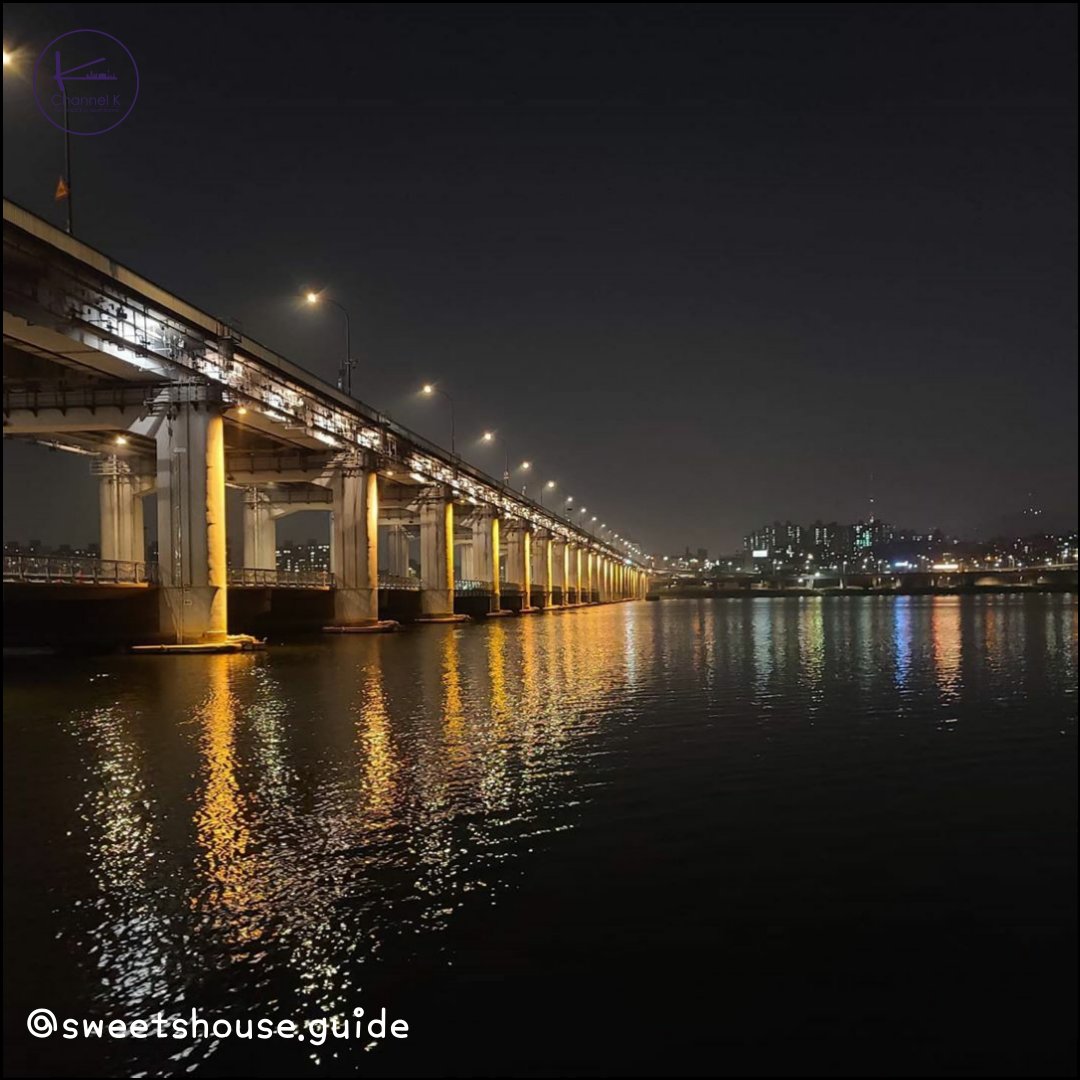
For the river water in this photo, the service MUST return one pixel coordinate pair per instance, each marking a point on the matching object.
(811, 836)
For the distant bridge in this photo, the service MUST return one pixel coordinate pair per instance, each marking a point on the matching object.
(1048, 574)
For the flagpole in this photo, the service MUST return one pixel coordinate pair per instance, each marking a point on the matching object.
(67, 162)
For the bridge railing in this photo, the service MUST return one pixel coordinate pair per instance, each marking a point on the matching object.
(76, 570)
(247, 577)
(407, 582)
(464, 586)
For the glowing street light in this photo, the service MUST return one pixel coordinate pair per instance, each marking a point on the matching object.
(344, 382)
(429, 390)
(489, 437)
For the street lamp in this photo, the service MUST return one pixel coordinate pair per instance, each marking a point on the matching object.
(429, 389)
(549, 486)
(344, 381)
(525, 466)
(489, 437)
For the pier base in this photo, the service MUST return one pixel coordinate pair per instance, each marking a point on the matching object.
(233, 643)
(376, 626)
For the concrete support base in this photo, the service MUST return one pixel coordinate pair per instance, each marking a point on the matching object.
(446, 617)
(233, 643)
(528, 610)
(376, 626)
(498, 614)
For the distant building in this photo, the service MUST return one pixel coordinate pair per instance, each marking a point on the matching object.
(829, 542)
(310, 555)
(780, 540)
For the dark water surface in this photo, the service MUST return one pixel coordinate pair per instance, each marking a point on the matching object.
(806, 836)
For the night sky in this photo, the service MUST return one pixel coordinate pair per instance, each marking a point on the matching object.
(705, 266)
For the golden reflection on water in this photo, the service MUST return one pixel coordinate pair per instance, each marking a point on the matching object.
(946, 644)
(812, 643)
(379, 762)
(453, 710)
(222, 830)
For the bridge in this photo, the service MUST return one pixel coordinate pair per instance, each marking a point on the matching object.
(1036, 575)
(171, 404)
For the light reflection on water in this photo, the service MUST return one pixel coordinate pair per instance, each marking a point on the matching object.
(250, 834)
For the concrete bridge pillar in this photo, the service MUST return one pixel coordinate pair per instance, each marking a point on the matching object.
(191, 525)
(487, 555)
(558, 557)
(354, 544)
(590, 577)
(397, 551)
(260, 530)
(484, 561)
(466, 558)
(542, 560)
(519, 562)
(437, 556)
(575, 570)
(120, 492)
(567, 574)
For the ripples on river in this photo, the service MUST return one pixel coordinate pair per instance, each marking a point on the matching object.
(788, 835)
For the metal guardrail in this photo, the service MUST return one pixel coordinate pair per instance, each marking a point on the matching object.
(76, 570)
(257, 578)
(463, 586)
(404, 582)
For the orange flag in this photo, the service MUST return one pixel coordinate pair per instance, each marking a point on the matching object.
(62, 190)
